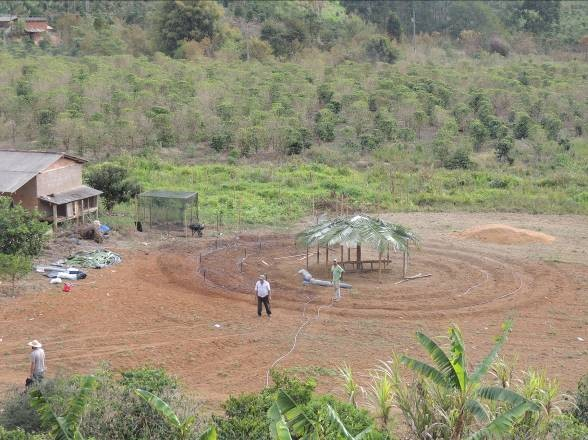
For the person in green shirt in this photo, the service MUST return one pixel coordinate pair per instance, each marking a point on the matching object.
(337, 270)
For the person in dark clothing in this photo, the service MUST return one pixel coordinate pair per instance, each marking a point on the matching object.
(263, 292)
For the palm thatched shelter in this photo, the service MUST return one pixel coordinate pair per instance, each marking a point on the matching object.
(354, 232)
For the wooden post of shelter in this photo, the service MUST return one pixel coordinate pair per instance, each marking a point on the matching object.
(358, 257)
(341, 253)
(327, 255)
(380, 267)
(318, 253)
(54, 207)
(307, 257)
(405, 263)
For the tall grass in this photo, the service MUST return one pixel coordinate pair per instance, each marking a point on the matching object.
(269, 194)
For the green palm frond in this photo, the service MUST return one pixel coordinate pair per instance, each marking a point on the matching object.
(485, 365)
(355, 230)
(441, 360)
(426, 371)
(48, 418)
(366, 434)
(162, 408)
(504, 395)
(501, 424)
(211, 434)
(474, 407)
(280, 431)
(76, 404)
(458, 357)
(293, 414)
(64, 427)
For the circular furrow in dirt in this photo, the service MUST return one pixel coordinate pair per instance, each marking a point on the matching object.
(463, 281)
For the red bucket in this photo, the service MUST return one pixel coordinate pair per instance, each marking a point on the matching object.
(67, 287)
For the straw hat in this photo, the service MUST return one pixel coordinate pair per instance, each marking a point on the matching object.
(35, 343)
(262, 277)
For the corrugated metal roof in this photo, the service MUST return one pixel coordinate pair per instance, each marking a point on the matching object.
(35, 28)
(18, 167)
(4, 18)
(82, 192)
(168, 194)
(10, 181)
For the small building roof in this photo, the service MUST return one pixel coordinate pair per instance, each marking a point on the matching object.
(7, 18)
(356, 230)
(169, 194)
(79, 193)
(18, 167)
(35, 27)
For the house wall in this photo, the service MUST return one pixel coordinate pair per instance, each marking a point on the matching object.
(27, 194)
(59, 179)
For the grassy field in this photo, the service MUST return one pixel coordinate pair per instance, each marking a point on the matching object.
(269, 194)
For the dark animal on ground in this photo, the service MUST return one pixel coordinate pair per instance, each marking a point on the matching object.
(196, 228)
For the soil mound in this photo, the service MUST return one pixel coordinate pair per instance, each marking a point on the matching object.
(504, 234)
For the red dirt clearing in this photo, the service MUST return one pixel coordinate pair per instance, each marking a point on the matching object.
(155, 308)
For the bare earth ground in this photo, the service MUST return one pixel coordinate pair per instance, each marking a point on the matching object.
(156, 308)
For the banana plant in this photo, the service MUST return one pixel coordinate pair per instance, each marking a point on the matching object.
(183, 428)
(287, 419)
(64, 427)
(450, 372)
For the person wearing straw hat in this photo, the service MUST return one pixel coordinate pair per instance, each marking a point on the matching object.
(38, 369)
(337, 270)
(263, 292)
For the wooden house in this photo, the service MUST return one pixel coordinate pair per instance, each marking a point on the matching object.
(48, 182)
(36, 27)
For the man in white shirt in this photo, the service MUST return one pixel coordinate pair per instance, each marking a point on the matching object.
(37, 371)
(263, 292)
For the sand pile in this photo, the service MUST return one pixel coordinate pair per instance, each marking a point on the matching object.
(504, 234)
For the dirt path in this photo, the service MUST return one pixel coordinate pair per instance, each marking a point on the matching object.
(156, 309)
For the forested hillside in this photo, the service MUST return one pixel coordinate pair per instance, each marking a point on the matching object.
(473, 85)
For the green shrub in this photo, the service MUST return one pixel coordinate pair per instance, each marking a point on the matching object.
(14, 267)
(325, 125)
(567, 427)
(460, 159)
(325, 94)
(380, 48)
(114, 182)
(503, 150)
(552, 125)
(245, 416)
(154, 380)
(220, 141)
(114, 412)
(522, 126)
(582, 400)
(21, 232)
(19, 434)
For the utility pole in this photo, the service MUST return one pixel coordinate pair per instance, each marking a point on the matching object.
(413, 29)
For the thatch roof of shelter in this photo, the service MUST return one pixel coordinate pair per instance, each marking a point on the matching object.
(359, 229)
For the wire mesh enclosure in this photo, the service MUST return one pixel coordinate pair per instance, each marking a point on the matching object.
(167, 210)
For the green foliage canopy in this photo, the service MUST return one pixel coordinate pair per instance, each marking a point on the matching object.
(21, 231)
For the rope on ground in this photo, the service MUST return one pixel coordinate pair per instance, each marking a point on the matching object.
(307, 321)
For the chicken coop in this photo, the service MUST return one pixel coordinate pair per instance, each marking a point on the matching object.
(169, 211)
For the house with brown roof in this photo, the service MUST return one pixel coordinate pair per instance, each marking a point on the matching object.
(36, 27)
(49, 182)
